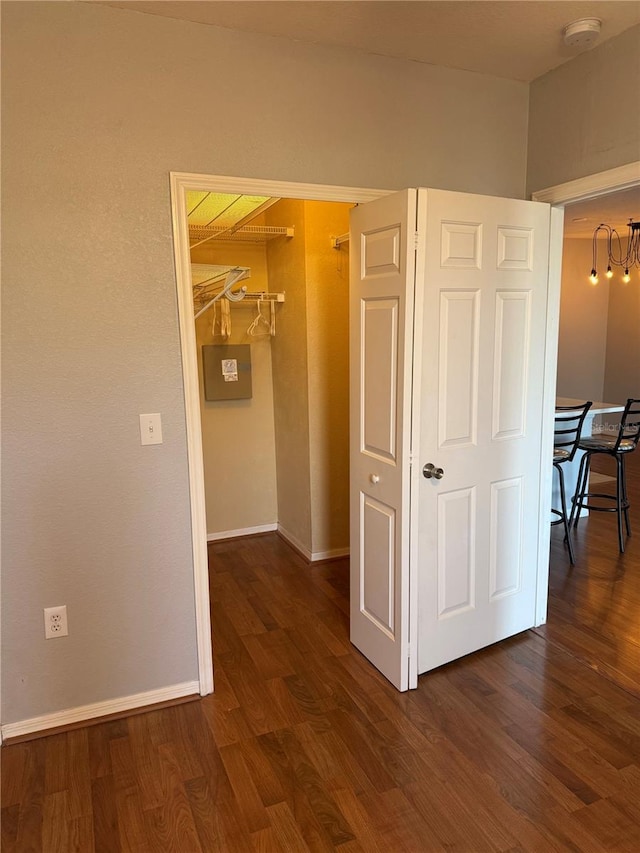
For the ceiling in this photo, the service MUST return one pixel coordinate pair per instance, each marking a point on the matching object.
(615, 209)
(224, 210)
(516, 39)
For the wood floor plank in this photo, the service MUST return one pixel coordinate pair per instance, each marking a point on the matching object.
(79, 777)
(9, 817)
(610, 826)
(217, 820)
(355, 741)
(396, 824)
(228, 725)
(612, 749)
(261, 610)
(258, 709)
(81, 835)
(552, 776)
(319, 797)
(358, 820)
(296, 799)
(344, 761)
(144, 763)
(265, 779)
(547, 758)
(288, 700)
(268, 653)
(189, 739)
(99, 740)
(250, 803)
(566, 832)
(31, 818)
(55, 817)
(105, 815)
(490, 750)
(128, 799)
(286, 833)
(56, 777)
(202, 803)
(452, 827)
(14, 768)
(170, 825)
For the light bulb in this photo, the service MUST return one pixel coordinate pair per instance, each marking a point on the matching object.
(626, 277)
(593, 278)
(609, 273)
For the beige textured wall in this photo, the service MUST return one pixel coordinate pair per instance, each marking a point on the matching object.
(622, 369)
(99, 105)
(599, 341)
(286, 261)
(584, 115)
(582, 340)
(238, 441)
(327, 277)
(311, 374)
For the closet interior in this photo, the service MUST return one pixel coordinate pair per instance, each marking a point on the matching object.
(270, 282)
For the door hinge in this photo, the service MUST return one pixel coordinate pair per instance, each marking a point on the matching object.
(416, 241)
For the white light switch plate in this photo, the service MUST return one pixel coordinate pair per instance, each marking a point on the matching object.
(151, 429)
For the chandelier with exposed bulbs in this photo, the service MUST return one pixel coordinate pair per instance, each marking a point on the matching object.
(615, 256)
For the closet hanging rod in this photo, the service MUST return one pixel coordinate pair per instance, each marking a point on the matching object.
(336, 242)
(260, 296)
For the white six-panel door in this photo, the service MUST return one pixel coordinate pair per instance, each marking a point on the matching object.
(480, 410)
(445, 565)
(382, 275)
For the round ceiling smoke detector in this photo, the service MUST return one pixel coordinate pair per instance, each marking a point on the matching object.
(583, 33)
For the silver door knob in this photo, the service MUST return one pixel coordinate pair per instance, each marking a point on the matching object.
(430, 471)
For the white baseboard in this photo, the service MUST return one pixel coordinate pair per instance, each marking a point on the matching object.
(84, 713)
(333, 554)
(242, 531)
(310, 556)
(295, 543)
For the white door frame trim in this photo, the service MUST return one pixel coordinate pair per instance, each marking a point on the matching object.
(591, 186)
(180, 183)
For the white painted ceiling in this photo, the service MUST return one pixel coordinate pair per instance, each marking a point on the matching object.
(614, 209)
(516, 39)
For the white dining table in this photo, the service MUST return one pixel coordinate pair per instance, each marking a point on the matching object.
(570, 469)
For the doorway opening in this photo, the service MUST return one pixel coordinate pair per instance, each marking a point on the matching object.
(597, 344)
(274, 457)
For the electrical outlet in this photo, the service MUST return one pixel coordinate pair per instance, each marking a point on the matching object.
(55, 622)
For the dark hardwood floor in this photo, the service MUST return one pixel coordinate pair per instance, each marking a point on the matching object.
(530, 745)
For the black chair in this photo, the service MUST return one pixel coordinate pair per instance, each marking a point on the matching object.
(566, 436)
(617, 447)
